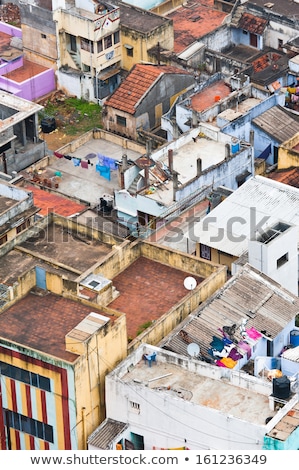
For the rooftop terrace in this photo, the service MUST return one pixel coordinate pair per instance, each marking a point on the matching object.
(171, 379)
(148, 289)
(41, 323)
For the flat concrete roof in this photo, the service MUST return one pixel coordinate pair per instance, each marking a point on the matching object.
(15, 263)
(185, 164)
(245, 404)
(60, 245)
(88, 185)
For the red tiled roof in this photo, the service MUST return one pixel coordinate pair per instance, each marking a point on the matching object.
(138, 82)
(288, 176)
(49, 202)
(194, 20)
(265, 61)
(252, 24)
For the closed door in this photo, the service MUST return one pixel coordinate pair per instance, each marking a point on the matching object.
(40, 277)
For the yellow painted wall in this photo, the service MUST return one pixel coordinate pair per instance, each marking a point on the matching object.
(102, 353)
(141, 43)
(287, 158)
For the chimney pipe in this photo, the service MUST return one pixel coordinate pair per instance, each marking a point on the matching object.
(175, 184)
(146, 176)
(227, 151)
(170, 160)
(199, 166)
(124, 162)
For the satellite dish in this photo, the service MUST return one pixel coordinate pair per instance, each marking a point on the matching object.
(193, 349)
(190, 283)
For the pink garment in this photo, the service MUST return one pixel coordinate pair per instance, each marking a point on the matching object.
(253, 333)
(84, 164)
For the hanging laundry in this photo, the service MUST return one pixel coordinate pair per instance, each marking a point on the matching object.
(68, 157)
(107, 161)
(265, 153)
(84, 164)
(253, 333)
(104, 171)
(58, 155)
(76, 161)
(227, 362)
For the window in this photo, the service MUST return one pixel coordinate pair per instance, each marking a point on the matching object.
(25, 376)
(107, 41)
(43, 36)
(100, 45)
(205, 252)
(73, 43)
(134, 405)
(282, 260)
(3, 239)
(121, 121)
(86, 45)
(23, 226)
(280, 43)
(130, 52)
(116, 37)
(86, 68)
(28, 425)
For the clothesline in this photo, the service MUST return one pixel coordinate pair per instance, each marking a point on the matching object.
(104, 166)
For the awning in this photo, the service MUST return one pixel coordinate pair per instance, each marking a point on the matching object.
(108, 74)
(128, 46)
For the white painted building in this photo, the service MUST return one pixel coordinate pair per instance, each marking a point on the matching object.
(200, 159)
(259, 204)
(180, 402)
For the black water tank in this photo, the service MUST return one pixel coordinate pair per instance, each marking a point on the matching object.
(48, 124)
(281, 387)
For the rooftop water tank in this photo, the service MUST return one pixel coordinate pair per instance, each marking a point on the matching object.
(281, 387)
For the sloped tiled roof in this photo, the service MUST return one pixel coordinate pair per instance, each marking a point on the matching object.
(252, 24)
(193, 20)
(136, 85)
(288, 176)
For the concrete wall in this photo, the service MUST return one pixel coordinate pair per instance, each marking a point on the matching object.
(30, 89)
(100, 134)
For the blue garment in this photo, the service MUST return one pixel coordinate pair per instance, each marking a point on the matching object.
(76, 161)
(104, 171)
(265, 153)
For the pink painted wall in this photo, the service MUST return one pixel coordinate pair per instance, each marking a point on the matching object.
(33, 88)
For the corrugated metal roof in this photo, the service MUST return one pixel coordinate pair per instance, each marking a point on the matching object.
(278, 123)
(230, 225)
(249, 295)
(291, 354)
(103, 436)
